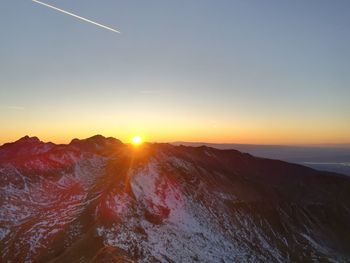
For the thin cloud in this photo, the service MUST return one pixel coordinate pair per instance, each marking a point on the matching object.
(14, 107)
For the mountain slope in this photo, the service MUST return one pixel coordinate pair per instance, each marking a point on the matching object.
(98, 200)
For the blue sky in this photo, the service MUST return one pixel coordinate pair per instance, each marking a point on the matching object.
(256, 71)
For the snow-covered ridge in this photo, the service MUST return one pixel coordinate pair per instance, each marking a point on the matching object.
(98, 200)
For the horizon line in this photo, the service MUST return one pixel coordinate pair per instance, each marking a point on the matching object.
(200, 143)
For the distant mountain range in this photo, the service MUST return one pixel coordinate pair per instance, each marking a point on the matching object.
(99, 200)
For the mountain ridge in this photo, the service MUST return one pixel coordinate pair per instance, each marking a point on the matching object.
(166, 203)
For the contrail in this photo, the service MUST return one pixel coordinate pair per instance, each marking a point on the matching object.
(76, 16)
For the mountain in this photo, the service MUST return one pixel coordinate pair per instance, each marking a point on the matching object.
(99, 200)
(329, 157)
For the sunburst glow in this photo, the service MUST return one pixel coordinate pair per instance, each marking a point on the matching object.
(136, 140)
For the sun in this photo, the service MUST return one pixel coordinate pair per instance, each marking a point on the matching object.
(136, 140)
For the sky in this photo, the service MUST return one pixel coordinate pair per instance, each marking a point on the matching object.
(230, 71)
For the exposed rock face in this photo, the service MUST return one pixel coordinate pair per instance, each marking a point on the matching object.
(98, 200)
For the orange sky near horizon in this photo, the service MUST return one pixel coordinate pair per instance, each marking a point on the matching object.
(197, 124)
(245, 132)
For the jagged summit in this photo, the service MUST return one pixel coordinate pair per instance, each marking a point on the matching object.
(98, 139)
(27, 140)
(25, 146)
(98, 144)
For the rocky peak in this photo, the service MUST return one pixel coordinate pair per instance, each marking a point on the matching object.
(25, 146)
(27, 139)
(97, 143)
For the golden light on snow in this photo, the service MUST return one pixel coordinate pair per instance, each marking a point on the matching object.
(136, 140)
